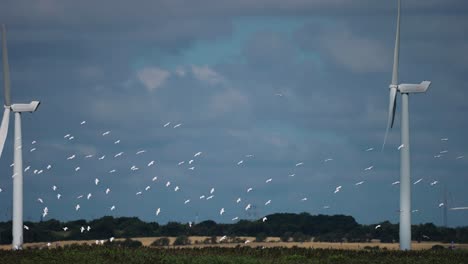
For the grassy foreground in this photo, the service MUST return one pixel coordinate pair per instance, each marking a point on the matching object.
(239, 255)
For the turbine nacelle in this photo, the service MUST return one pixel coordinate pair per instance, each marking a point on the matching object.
(31, 107)
(411, 88)
(414, 88)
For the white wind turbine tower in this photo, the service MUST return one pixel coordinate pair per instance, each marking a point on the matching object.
(405, 176)
(18, 154)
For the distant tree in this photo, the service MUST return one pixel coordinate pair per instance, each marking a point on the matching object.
(286, 236)
(182, 240)
(261, 237)
(161, 242)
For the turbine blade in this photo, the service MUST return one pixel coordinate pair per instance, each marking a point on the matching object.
(396, 53)
(6, 68)
(391, 113)
(4, 128)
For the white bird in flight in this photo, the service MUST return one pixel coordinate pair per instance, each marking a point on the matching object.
(190, 161)
(71, 157)
(147, 188)
(118, 154)
(304, 199)
(369, 149)
(96, 181)
(58, 196)
(264, 219)
(235, 218)
(102, 157)
(299, 164)
(158, 211)
(154, 178)
(168, 183)
(292, 175)
(40, 200)
(140, 152)
(247, 207)
(54, 188)
(65, 228)
(444, 139)
(460, 157)
(418, 181)
(26, 227)
(369, 168)
(441, 204)
(240, 162)
(377, 226)
(201, 197)
(187, 201)
(168, 123)
(197, 154)
(107, 191)
(238, 200)
(138, 193)
(401, 146)
(359, 183)
(180, 163)
(150, 163)
(249, 189)
(89, 156)
(269, 180)
(327, 160)
(434, 183)
(106, 133)
(212, 190)
(89, 196)
(337, 189)
(49, 167)
(395, 183)
(268, 202)
(221, 212)
(178, 125)
(77, 207)
(210, 197)
(83, 122)
(176, 188)
(27, 168)
(112, 208)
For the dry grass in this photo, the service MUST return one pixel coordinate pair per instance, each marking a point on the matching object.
(270, 242)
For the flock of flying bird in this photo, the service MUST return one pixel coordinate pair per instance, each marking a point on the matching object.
(170, 185)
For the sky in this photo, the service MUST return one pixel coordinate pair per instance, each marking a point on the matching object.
(289, 82)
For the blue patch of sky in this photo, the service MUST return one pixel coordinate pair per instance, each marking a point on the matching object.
(226, 49)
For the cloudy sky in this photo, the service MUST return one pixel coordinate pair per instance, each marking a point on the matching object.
(218, 68)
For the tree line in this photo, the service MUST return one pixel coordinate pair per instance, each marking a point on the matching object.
(288, 226)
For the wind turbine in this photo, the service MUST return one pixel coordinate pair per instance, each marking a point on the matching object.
(405, 176)
(18, 153)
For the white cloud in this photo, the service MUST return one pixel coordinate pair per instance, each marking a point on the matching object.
(206, 74)
(153, 78)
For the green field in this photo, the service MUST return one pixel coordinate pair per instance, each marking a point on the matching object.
(212, 255)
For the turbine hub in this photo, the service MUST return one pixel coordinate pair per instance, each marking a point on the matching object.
(393, 86)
